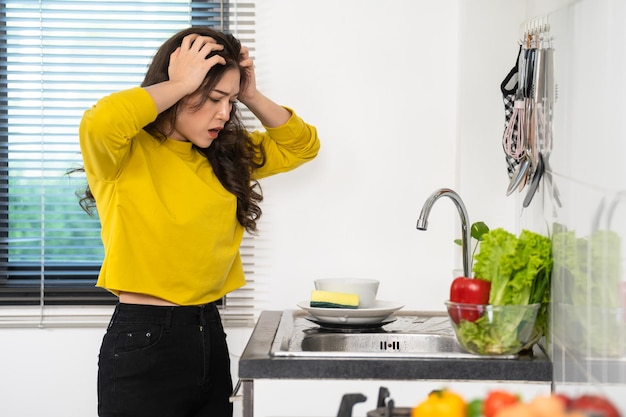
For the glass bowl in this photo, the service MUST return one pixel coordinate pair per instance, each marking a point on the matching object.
(485, 329)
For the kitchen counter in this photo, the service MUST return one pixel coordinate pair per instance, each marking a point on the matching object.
(257, 362)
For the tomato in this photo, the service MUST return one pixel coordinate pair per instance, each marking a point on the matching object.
(595, 404)
(440, 403)
(468, 291)
(497, 400)
(566, 400)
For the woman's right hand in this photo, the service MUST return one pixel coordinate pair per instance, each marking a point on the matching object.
(189, 64)
(187, 69)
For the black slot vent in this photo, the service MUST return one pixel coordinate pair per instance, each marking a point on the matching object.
(391, 345)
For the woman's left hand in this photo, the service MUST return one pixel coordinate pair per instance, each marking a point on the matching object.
(269, 113)
(248, 90)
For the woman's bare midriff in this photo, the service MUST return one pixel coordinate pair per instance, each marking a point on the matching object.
(138, 298)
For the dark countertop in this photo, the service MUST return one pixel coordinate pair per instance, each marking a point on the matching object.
(257, 363)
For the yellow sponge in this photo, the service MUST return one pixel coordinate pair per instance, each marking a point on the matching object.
(328, 299)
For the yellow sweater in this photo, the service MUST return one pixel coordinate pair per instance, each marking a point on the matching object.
(169, 227)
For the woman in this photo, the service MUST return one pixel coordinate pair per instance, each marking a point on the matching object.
(173, 175)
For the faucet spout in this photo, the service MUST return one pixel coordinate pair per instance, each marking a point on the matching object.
(422, 223)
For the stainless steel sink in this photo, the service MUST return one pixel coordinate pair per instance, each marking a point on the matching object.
(411, 334)
(380, 343)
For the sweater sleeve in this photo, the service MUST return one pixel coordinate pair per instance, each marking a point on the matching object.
(107, 128)
(287, 146)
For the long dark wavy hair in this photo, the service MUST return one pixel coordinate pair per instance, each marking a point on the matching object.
(233, 156)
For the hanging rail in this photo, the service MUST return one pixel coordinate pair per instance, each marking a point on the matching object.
(533, 27)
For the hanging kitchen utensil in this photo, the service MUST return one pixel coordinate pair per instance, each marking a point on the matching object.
(547, 105)
(534, 184)
(510, 138)
(531, 113)
(527, 139)
(521, 171)
(516, 146)
(543, 98)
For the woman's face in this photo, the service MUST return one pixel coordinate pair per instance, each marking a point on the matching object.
(202, 126)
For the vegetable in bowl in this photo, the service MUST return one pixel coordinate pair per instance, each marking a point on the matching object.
(519, 270)
(499, 330)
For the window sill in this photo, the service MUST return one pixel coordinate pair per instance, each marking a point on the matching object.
(55, 316)
(86, 316)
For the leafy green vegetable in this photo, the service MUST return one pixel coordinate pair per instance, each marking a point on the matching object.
(477, 231)
(498, 331)
(519, 270)
(495, 260)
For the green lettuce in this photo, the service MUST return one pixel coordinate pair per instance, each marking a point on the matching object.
(497, 332)
(519, 269)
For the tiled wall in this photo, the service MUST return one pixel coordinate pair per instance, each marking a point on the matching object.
(589, 227)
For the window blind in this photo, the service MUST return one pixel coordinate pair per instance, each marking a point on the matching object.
(56, 59)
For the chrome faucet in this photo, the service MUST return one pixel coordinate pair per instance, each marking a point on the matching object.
(422, 223)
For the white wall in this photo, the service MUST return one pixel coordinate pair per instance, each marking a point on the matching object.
(384, 103)
(382, 86)
(48, 372)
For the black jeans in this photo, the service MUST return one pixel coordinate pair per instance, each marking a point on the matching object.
(165, 362)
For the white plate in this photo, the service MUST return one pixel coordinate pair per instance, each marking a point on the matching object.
(376, 314)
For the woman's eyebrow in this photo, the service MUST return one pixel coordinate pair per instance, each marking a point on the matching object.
(224, 93)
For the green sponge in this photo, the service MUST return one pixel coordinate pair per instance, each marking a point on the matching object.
(328, 299)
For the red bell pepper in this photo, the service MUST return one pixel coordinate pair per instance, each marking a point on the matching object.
(469, 291)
